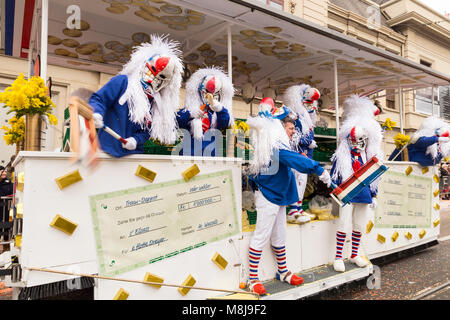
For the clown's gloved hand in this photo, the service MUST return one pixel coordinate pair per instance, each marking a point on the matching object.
(443, 139)
(216, 106)
(131, 144)
(98, 120)
(312, 145)
(374, 203)
(325, 178)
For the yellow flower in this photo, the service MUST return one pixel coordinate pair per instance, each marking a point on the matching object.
(27, 97)
(52, 119)
(17, 131)
(388, 124)
(401, 140)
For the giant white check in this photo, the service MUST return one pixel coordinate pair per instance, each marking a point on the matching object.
(143, 225)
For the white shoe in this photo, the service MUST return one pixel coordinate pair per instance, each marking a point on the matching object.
(291, 219)
(360, 262)
(338, 265)
(303, 218)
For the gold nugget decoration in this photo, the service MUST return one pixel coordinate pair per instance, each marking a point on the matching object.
(150, 277)
(422, 233)
(436, 222)
(369, 226)
(190, 281)
(408, 235)
(408, 170)
(145, 173)
(219, 261)
(121, 295)
(191, 172)
(381, 238)
(436, 193)
(394, 236)
(68, 179)
(425, 170)
(63, 224)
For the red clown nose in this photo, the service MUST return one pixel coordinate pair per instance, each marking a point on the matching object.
(211, 85)
(160, 65)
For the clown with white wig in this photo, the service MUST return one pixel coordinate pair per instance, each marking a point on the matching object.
(428, 144)
(208, 107)
(360, 139)
(302, 99)
(274, 185)
(141, 102)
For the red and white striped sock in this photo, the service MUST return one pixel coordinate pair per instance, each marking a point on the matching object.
(300, 206)
(356, 238)
(340, 240)
(253, 260)
(280, 255)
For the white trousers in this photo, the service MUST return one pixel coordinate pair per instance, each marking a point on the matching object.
(270, 223)
(353, 216)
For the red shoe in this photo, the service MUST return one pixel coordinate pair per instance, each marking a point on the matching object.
(291, 278)
(257, 287)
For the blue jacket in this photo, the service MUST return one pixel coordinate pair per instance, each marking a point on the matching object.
(417, 152)
(365, 196)
(184, 122)
(106, 103)
(305, 140)
(280, 188)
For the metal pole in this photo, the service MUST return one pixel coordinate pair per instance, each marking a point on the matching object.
(400, 103)
(432, 101)
(336, 98)
(44, 39)
(230, 53)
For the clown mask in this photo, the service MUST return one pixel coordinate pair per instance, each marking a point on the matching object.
(310, 99)
(157, 73)
(358, 139)
(210, 86)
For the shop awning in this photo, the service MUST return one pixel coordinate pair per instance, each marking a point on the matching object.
(266, 43)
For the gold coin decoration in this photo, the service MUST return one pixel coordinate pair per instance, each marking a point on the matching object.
(84, 25)
(249, 33)
(273, 29)
(146, 16)
(110, 57)
(174, 20)
(171, 9)
(205, 46)
(151, 10)
(76, 63)
(71, 43)
(75, 33)
(208, 53)
(140, 37)
(196, 20)
(191, 57)
(62, 52)
(116, 10)
(72, 55)
(54, 40)
(194, 13)
(111, 44)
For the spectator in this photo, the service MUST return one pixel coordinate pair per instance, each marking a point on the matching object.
(6, 189)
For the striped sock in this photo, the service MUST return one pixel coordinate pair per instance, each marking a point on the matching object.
(293, 210)
(253, 258)
(356, 237)
(280, 254)
(340, 239)
(300, 207)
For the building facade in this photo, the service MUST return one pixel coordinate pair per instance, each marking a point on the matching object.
(406, 28)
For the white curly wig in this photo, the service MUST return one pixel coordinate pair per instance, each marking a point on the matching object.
(342, 156)
(428, 128)
(292, 98)
(266, 136)
(166, 102)
(356, 106)
(193, 100)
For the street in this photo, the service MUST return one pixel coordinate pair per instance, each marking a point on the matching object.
(424, 275)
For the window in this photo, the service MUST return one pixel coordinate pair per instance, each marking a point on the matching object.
(274, 3)
(390, 98)
(425, 63)
(444, 102)
(422, 99)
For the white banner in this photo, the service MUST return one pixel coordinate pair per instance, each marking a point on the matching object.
(143, 225)
(404, 201)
